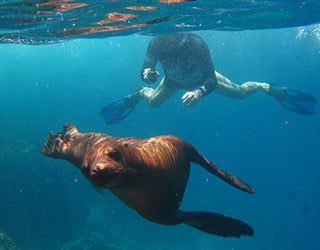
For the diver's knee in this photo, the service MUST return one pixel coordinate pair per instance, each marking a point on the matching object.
(240, 94)
(154, 103)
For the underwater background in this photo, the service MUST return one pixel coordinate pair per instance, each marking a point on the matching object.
(48, 204)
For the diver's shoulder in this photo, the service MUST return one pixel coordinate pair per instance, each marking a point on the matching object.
(156, 42)
(196, 39)
(195, 36)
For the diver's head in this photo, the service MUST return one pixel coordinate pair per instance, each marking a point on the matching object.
(175, 41)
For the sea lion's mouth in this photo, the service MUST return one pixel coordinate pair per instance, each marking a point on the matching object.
(104, 175)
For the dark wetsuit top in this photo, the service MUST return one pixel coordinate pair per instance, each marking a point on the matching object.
(186, 61)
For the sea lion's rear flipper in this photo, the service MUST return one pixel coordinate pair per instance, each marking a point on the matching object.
(216, 224)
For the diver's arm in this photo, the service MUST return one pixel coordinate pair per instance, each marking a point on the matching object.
(191, 98)
(209, 85)
(203, 56)
(148, 72)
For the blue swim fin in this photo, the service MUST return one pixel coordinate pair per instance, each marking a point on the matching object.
(118, 109)
(299, 102)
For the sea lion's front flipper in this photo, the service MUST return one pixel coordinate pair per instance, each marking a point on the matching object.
(56, 145)
(229, 178)
(214, 169)
(216, 224)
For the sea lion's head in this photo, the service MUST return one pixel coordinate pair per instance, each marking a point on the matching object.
(105, 165)
(58, 145)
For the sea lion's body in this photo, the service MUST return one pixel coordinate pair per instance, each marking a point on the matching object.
(149, 175)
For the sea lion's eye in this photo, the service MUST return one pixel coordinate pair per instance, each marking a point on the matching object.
(115, 155)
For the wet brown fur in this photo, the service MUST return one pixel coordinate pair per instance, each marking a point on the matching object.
(149, 175)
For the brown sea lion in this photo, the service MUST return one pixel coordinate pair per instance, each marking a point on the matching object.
(149, 175)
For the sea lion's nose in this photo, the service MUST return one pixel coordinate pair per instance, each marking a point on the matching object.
(99, 167)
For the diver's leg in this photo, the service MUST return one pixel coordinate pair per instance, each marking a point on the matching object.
(156, 97)
(228, 88)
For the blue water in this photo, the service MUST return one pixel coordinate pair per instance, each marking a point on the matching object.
(47, 204)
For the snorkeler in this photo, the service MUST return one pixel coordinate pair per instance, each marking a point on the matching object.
(187, 64)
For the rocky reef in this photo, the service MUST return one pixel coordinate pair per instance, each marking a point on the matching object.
(6, 243)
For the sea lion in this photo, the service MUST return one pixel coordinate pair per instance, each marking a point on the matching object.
(148, 175)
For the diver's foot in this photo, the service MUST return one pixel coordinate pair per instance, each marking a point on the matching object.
(277, 92)
(135, 97)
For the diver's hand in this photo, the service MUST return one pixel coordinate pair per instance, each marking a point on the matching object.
(191, 98)
(149, 75)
